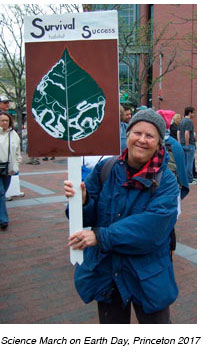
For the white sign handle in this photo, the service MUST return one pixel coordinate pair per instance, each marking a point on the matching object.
(75, 205)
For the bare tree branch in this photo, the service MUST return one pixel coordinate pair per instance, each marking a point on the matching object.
(12, 65)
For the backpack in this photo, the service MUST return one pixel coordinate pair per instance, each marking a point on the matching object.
(172, 163)
(106, 168)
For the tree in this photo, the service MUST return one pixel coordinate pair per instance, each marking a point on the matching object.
(139, 47)
(11, 52)
(12, 68)
(143, 45)
(189, 43)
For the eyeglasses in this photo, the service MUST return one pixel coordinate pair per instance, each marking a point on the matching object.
(5, 101)
(4, 120)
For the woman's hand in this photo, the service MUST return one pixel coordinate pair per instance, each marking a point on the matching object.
(69, 190)
(82, 239)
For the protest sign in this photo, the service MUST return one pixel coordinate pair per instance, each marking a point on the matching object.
(72, 84)
(72, 91)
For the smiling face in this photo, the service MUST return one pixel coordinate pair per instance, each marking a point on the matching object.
(143, 140)
(127, 116)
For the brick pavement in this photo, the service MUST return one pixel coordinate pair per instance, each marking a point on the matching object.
(36, 281)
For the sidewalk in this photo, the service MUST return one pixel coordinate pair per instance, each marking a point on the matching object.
(36, 281)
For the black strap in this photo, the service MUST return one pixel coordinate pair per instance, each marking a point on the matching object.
(107, 167)
(9, 146)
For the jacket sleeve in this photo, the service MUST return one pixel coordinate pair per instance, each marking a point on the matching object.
(18, 152)
(145, 232)
(93, 187)
(15, 153)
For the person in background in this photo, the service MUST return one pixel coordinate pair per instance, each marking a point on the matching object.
(24, 137)
(176, 164)
(4, 103)
(123, 128)
(127, 114)
(33, 161)
(173, 147)
(9, 141)
(194, 163)
(127, 251)
(47, 158)
(175, 126)
(142, 107)
(187, 140)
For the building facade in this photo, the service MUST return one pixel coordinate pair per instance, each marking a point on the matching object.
(177, 89)
(169, 60)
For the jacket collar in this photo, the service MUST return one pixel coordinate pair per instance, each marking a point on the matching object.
(7, 131)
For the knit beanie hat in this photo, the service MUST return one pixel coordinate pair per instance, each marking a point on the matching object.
(149, 115)
(167, 116)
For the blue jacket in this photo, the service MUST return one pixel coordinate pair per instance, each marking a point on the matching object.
(179, 157)
(133, 230)
(123, 135)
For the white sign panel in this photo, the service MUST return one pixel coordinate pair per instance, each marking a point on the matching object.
(94, 25)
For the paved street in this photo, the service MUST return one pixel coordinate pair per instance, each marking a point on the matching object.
(36, 281)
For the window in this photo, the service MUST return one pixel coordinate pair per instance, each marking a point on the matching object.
(127, 15)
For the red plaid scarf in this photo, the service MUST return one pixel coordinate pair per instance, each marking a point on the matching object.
(148, 171)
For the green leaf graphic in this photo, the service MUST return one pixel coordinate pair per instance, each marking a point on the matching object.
(67, 103)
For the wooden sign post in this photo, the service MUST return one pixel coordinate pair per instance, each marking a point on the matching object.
(72, 90)
(75, 205)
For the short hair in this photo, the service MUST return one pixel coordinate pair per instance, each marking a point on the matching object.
(188, 110)
(11, 123)
(126, 107)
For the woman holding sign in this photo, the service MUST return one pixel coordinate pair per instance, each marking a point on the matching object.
(131, 213)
